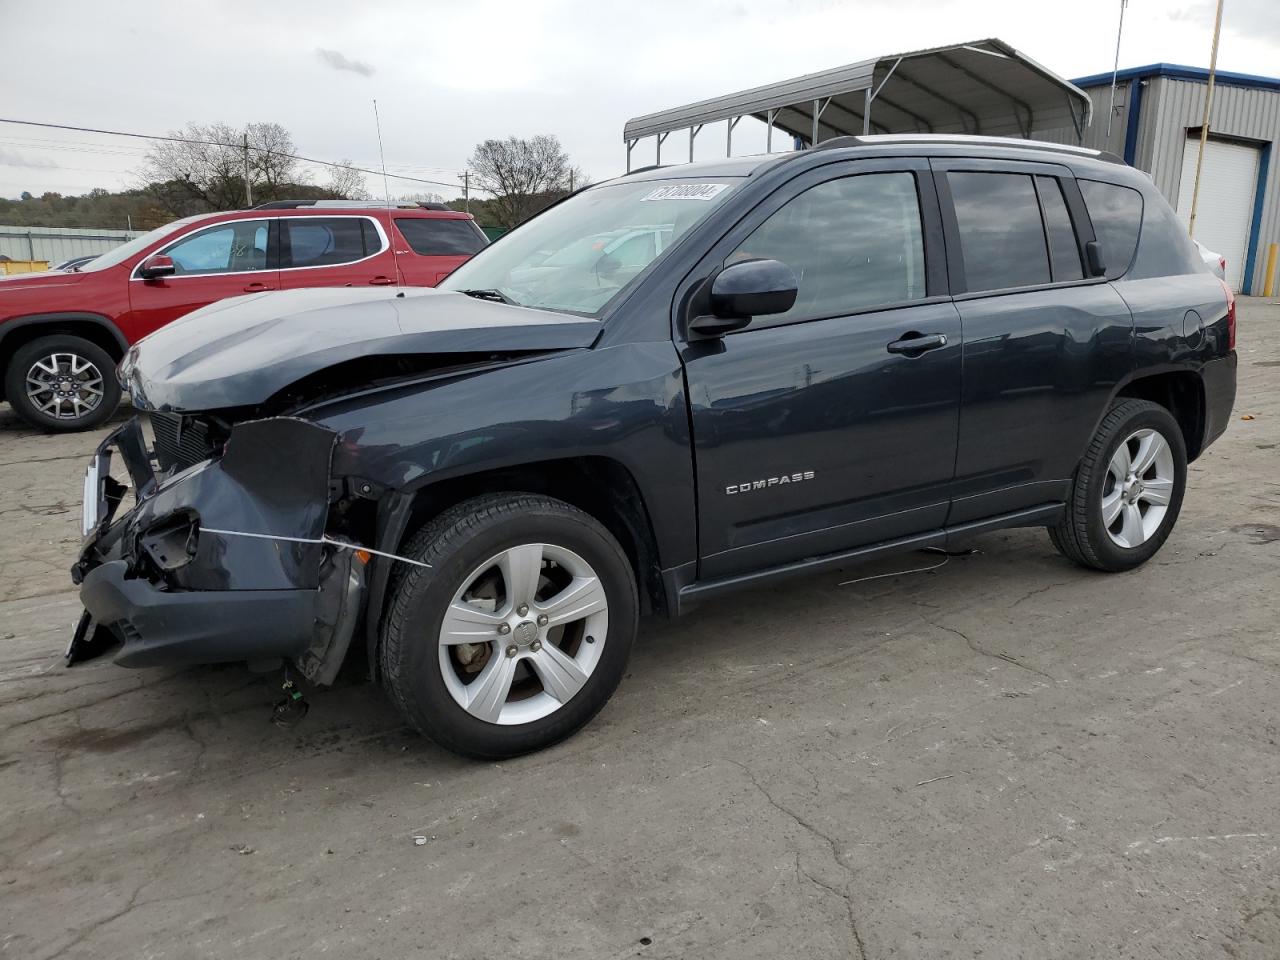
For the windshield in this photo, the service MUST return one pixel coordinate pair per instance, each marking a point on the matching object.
(580, 253)
(126, 250)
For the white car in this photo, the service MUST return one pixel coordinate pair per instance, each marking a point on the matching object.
(1216, 262)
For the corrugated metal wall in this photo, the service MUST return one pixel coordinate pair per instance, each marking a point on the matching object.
(1169, 107)
(56, 244)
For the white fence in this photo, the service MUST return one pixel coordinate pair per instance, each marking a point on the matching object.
(56, 244)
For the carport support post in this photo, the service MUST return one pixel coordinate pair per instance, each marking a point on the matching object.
(630, 144)
(866, 113)
(768, 131)
(813, 141)
(693, 132)
(728, 143)
(661, 138)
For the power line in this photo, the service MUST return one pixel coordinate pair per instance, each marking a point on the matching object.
(217, 143)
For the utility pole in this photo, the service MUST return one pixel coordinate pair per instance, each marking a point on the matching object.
(571, 180)
(1111, 110)
(1204, 127)
(248, 185)
(466, 190)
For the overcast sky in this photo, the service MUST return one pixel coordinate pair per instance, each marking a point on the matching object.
(447, 75)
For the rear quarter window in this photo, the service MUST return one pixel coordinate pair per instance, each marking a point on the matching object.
(1116, 213)
(1164, 249)
(441, 238)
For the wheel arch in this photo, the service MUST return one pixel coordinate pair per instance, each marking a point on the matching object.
(601, 486)
(94, 327)
(1180, 391)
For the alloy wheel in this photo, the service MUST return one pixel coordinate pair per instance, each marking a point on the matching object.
(64, 386)
(1138, 488)
(523, 634)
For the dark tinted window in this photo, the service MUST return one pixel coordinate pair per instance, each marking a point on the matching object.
(326, 242)
(1064, 252)
(1116, 213)
(1001, 234)
(853, 243)
(1164, 249)
(441, 238)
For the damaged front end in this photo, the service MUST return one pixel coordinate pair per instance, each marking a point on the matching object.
(224, 554)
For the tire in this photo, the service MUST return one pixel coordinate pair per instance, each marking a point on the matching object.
(1136, 533)
(88, 371)
(441, 688)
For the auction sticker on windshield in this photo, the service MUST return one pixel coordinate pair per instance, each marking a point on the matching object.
(686, 191)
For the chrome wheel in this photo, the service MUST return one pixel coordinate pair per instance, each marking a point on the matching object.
(1138, 488)
(64, 386)
(523, 634)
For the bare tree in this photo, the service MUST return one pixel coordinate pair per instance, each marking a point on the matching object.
(203, 168)
(523, 176)
(346, 183)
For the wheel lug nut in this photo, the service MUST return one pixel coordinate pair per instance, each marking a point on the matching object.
(512, 650)
(522, 609)
(535, 646)
(542, 619)
(504, 628)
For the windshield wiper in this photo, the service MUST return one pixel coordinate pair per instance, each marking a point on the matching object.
(497, 296)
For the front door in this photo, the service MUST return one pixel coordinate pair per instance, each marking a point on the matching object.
(823, 429)
(225, 260)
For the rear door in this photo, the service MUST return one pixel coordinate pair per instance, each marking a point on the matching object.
(437, 246)
(1044, 345)
(820, 430)
(226, 259)
(334, 251)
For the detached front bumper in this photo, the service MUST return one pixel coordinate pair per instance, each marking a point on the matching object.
(157, 626)
(220, 562)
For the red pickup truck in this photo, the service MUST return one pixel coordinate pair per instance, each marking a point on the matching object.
(62, 333)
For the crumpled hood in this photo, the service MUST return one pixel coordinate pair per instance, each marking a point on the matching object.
(240, 352)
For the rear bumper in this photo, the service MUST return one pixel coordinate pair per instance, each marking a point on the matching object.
(158, 626)
(1219, 378)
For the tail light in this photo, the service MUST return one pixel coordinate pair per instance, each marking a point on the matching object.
(1231, 315)
(1222, 265)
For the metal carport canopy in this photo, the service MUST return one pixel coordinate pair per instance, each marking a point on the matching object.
(985, 87)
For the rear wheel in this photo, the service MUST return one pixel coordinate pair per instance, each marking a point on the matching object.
(517, 634)
(62, 383)
(1128, 490)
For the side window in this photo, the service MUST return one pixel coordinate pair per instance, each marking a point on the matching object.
(326, 242)
(1064, 252)
(1164, 249)
(854, 243)
(1116, 213)
(438, 237)
(1001, 233)
(228, 247)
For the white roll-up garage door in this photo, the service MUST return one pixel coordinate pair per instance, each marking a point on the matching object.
(1224, 211)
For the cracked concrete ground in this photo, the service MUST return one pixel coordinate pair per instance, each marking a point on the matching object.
(1004, 757)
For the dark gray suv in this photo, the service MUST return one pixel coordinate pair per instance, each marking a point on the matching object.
(770, 366)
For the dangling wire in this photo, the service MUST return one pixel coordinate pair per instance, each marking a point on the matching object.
(946, 558)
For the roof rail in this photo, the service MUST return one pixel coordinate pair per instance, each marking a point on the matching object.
(352, 205)
(944, 139)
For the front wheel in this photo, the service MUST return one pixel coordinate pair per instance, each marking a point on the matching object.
(1127, 491)
(519, 631)
(62, 383)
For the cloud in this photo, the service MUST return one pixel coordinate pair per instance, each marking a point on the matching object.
(14, 158)
(338, 60)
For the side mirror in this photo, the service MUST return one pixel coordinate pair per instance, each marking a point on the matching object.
(751, 288)
(157, 265)
(1093, 253)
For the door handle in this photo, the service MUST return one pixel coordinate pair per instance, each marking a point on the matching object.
(381, 281)
(255, 287)
(914, 344)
